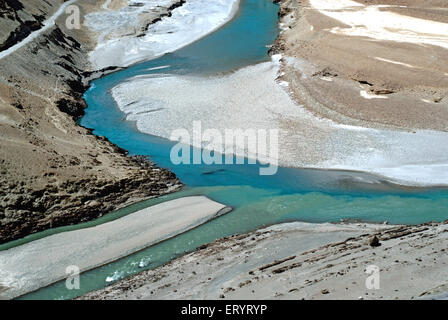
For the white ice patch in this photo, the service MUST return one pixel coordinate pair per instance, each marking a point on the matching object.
(106, 4)
(163, 103)
(395, 62)
(116, 276)
(371, 22)
(157, 68)
(419, 158)
(367, 95)
(188, 23)
(251, 98)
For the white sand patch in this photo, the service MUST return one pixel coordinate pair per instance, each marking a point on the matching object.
(395, 62)
(418, 158)
(188, 23)
(369, 21)
(250, 98)
(157, 68)
(106, 4)
(4, 119)
(28, 267)
(369, 96)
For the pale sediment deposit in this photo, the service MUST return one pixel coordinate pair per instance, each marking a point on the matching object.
(413, 158)
(39, 263)
(126, 36)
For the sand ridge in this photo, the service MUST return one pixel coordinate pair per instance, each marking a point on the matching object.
(27, 267)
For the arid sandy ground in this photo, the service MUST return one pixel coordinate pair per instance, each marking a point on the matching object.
(375, 63)
(301, 261)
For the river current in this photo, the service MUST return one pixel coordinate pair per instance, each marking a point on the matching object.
(290, 195)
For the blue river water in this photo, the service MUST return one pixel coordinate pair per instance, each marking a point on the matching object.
(257, 201)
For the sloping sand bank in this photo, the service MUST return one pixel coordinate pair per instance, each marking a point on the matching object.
(302, 261)
(39, 263)
(370, 63)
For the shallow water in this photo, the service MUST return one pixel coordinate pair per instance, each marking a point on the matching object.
(290, 195)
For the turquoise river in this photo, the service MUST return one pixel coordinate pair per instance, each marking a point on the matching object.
(257, 201)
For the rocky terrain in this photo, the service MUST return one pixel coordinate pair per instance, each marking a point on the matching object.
(302, 261)
(54, 172)
(19, 19)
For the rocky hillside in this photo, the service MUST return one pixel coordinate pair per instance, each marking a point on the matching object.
(19, 19)
(54, 172)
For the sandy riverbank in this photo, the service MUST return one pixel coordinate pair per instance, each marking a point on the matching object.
(301, 261)
(28, 267)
